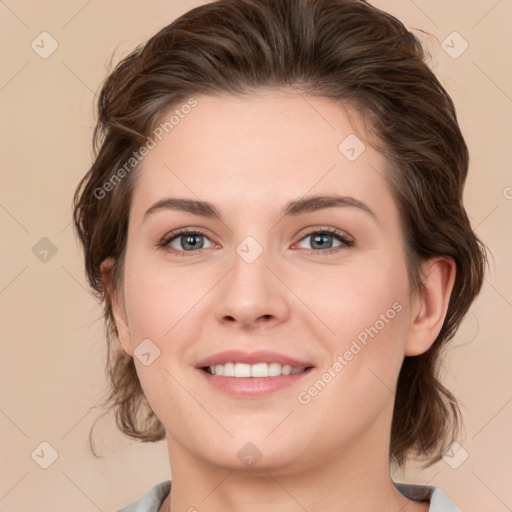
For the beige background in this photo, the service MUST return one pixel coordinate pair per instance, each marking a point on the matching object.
(52, 346)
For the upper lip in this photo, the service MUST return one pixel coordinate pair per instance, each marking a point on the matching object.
(259, 356)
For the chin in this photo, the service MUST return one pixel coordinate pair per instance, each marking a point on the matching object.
(254, 453)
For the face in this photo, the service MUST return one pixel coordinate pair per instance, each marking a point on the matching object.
(264, 274)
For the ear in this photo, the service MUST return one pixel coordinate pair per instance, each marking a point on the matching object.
(430, 305)
(117, 304)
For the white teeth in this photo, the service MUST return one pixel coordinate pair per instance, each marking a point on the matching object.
(254, 370)
(259, 370)
(242, 370)
(229, 369)
(274, 369)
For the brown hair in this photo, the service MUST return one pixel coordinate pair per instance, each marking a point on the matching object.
(345, 50)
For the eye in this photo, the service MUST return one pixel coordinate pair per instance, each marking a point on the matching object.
(324, 240)
(186, 241)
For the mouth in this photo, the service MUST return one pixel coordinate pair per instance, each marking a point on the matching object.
(258, 370)
(250, 375)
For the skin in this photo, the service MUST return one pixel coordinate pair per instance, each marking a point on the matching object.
(249, 157)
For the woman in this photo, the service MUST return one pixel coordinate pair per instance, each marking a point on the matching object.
(274, 223)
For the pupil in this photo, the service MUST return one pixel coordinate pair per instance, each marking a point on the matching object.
(191, 240)
(321, 241)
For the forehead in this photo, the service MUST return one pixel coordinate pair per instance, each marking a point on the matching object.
(265, 147)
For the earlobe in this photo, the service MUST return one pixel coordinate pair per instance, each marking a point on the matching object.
(117, 305)
(431, 305)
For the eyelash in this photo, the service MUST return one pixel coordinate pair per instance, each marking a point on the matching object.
(346, 242)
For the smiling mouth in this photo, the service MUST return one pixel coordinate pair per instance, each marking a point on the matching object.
(258, 370)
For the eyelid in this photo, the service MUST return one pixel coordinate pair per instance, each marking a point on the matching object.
(345, 239)
(325, 229)
(164, 242)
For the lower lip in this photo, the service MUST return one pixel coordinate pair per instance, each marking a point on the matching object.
(246, 387)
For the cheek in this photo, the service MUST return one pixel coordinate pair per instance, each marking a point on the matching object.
(358, 299)
(161, 308)
(366, 312)
(158, 302)
(370, 322)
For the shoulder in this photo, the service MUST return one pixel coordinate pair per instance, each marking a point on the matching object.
(439, 502)
(151, 501)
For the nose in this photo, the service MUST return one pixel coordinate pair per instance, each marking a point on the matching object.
(251, 295)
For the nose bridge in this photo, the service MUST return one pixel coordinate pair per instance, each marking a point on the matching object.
(250, 293)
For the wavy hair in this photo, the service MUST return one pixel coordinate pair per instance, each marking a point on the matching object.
(345, 50)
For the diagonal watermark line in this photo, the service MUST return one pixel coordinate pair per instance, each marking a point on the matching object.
(199, 403)
(311, 105)
(101, 510)
(508, 507)
(198, 301)
(13, 423)
(19, 19)
(375, 169)
(485, 15)
(14, 485)
(217, 486)
(380, 380)
(287, 492)
(406, 503)
(301, 300)
(88, 412)
(506, 403)
(485, 218)
(432, 478)
(66, 226)
(492, 81)
(76, 14)
(424, 13)
(13, 279)
(303, 195)
(459, 342)
(78, 282)
(165, 165)
(403, 506)
(170, 170)
(14, 218)
(14, 76)
(282, 421)
(498, 292)
(78, 77)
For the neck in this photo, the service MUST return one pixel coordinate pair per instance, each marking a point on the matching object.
(356, 478)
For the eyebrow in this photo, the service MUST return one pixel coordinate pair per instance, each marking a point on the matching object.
(293, 208)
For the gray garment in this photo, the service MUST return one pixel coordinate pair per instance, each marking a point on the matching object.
(439, 502)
